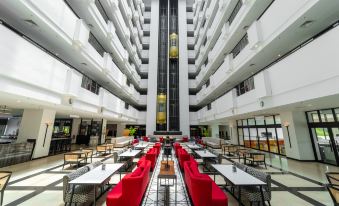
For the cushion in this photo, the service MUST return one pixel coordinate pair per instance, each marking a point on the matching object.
(137, 172)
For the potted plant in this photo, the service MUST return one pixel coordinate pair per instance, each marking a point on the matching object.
(205, 132)
(132, 131)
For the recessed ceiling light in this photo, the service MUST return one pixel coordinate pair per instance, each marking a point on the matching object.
(56, 54)
(306, 24)
(18, 101)
(245, 27)
(83, 63)
(251, 65)
(279, 55)
(90, 25)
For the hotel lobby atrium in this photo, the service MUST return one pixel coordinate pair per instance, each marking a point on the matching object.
(169, 102)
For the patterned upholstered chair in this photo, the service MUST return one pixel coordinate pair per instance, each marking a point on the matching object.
(88, 155)
(334, 192)
(253, 193)
(4, 179)
(93, 165)
(82, 193)
(333, 178)
(240, 166)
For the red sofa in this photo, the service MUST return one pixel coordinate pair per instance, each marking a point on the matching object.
(151, 156)
(135, 141)
(131, 189)
(176, 147)
(183, 156)
(161, 139)
(202, 189)
(184, 139)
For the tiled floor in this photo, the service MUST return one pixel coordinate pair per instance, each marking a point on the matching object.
(293, 183)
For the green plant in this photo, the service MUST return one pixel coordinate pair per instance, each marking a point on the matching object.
(205, 132)
(132, 131)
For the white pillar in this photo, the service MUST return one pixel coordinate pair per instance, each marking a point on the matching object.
(233, 132)
(75, 129)
(120, 129)
(103, 131)
(37, 124)
(152, 70)
(301, 144)
(183, 68)
(214, 130)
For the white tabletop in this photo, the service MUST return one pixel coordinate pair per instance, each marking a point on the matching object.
(97, 176)
(142, 145)
(205, 154)
(238, 178)
(129, 153)
(193, 146)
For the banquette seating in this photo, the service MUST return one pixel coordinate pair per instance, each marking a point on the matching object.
(151, 156)
(183, 156)
(213, 142)
(185, 139)
(122, 141)
(145, 139)
(202, 189)
(130, 190)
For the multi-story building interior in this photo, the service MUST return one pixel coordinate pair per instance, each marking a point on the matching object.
(253, 83)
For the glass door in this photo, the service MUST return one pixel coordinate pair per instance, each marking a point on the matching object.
(335, 140)
(325, 140)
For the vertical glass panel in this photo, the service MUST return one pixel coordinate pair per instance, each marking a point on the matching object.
(272, 140)
(281, 141)
(260, 121)
(277, 119)
(246, 138)
(254, 138)
(325, 145)
(326, 115)
(244, 122)
(336, 111)
(262, 139)
(251, 122)
(239, 122)
(269, 120)
(313, 116)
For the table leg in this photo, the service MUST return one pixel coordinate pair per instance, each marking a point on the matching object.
(176, 191)
(262, 196)
(239, 200)
(73, 187)
(157, 191)
(95, 196)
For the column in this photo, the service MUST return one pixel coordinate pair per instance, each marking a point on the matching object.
(295, 131)
(37, 124)
(152, 70)
(214, 130)
(75, 129)
(120, 129)
(103, 131)
(233, 133)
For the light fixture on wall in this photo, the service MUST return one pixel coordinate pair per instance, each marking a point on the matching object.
(287, 124)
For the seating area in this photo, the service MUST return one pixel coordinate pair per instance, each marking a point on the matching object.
(15, 153)
(120, 142)
(213, 142)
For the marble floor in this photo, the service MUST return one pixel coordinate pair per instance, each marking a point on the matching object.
(294, 183)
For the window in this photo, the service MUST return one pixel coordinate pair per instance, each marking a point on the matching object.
(90, 85)
(245, 86)
(235, 12)
(101, 10)
(206, 61)
(240, 46)
(207, 83)
(128, 82)
(96, 45)
(264, 133)
(209, 106)
(203, 23)
(202, 5)
(326, 115)
(205, 41)
(126, 105)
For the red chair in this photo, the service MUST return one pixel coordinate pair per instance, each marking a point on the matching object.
(145, 138)
(135, 141)
(132, 185)
(185, 139)
(176, 147)
(161, 139)
(202, 189)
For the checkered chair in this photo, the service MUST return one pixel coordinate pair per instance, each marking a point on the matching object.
(252, 193)
(4, 179)
(82, 193)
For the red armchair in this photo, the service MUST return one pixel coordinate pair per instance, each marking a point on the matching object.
(161, 139)
(202, 189)
(176, 147)
(135, 141)
(184, 139)
(132, 185)
(145, 138)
